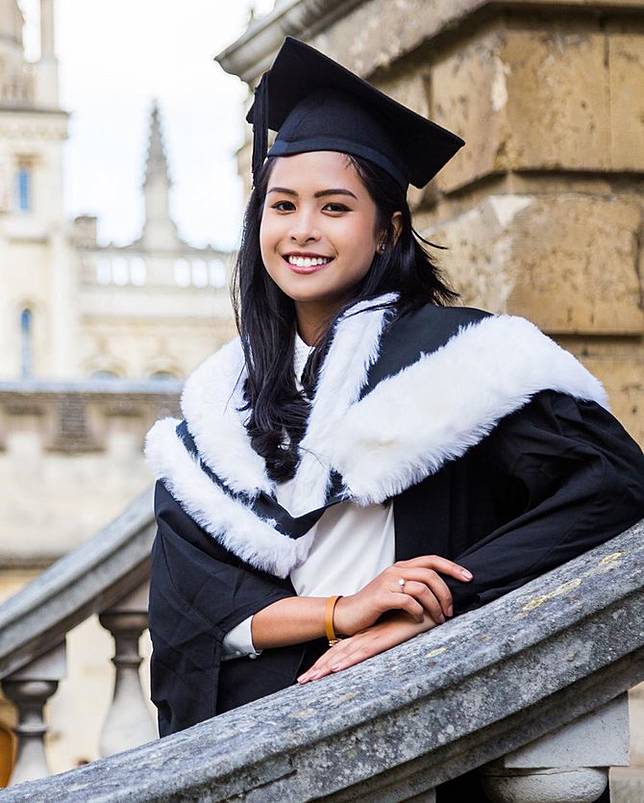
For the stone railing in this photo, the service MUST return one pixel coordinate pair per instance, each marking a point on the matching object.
(107, 575)
(530, 689)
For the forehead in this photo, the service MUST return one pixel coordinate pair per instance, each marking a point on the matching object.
(316, 170)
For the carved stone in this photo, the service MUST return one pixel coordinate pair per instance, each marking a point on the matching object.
(29, 689)
(128, 723)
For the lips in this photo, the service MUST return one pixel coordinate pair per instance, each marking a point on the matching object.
(310, 263)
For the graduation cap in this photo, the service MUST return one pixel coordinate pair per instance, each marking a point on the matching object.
(315, 104)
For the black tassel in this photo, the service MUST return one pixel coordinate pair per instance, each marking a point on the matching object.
(260, 126)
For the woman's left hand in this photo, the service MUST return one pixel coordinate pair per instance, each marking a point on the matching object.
(398, 627)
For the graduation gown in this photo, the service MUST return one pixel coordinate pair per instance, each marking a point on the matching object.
(496, 446)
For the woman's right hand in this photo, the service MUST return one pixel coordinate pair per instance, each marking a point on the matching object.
(425, 592)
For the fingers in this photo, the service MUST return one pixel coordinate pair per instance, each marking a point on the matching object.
(434, 588)
(423, 597)
(440, 565)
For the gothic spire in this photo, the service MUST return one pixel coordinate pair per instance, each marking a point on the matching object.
(159, 230)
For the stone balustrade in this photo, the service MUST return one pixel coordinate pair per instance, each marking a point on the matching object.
(530, 689)
(107, 575)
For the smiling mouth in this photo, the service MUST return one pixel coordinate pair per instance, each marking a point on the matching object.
(306, 264)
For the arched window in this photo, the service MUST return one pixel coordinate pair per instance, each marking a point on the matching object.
(162, 376)
(26, 338)
(24, 199)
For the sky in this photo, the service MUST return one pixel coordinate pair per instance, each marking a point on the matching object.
(115, 57)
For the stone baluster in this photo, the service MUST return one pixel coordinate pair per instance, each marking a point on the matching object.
(128, 722)
(29, 689)
(569, 765)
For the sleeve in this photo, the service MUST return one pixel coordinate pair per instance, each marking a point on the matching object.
(199, 591)
(580, 481)
(238, 642)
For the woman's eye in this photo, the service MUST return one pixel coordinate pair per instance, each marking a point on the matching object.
(337, 207)
(280, 204)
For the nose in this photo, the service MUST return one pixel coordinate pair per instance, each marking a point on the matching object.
(303, 229)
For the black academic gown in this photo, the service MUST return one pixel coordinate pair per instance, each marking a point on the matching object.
(494, 444)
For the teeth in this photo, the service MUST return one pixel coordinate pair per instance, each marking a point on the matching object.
(307, 262)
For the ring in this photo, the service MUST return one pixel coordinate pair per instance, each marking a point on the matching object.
(401, 583)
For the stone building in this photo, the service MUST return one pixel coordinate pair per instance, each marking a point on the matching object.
(69, 307)
(86, 329)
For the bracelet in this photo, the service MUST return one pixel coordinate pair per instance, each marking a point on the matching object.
(328, 620)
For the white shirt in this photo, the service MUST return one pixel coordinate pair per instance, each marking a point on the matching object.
(351, 545)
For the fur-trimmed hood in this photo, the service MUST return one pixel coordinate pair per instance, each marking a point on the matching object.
(379, 439)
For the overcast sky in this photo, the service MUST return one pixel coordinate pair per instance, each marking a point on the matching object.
(115, 57)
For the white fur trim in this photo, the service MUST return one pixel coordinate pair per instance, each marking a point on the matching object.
(234, 525)
(411, 423)
(355, 347)
(213, 392)
(209, 402)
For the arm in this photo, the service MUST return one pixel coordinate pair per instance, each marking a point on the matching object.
(582, 478)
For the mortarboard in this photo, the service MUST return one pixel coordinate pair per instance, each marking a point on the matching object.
(316, 104)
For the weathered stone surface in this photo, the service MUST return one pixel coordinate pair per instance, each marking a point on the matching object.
(459, 696)
(525, 99)
(627, 785)
(566, 261)
(626, 59)
(597, 739)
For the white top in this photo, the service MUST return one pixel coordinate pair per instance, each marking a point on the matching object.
(351, 545)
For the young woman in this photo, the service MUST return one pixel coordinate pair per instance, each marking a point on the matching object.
(364, 461)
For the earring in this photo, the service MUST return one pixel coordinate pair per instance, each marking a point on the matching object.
(381, 247)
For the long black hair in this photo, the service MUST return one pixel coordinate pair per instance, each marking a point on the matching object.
(266, 322)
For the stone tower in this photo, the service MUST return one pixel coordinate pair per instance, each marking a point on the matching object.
(159, 230)
(38, 321)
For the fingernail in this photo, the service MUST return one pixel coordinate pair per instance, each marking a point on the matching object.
(441, 618)
(335, 667)
(450, 610)
(467, 574)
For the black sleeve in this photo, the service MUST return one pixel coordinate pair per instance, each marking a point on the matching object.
(198, 592)
(580, 479)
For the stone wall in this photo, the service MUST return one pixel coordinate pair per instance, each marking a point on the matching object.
(70, 460)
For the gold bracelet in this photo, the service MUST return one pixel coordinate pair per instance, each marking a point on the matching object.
(328, 620)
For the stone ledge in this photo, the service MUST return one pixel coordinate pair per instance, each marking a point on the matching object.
(463, 694)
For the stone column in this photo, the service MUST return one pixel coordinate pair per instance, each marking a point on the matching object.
(29, 689)
(569, 765)
(128, 722)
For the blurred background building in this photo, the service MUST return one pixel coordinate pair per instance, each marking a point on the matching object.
(541, 211)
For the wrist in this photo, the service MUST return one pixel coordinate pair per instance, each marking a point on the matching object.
(339, 619)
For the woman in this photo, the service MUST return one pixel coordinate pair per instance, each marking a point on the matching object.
(364, 461)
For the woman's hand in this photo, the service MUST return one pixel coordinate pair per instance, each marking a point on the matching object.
(425, 592)
(398, 627)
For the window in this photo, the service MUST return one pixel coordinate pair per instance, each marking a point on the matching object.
(182, 272)
(24, 186)
(120, 272)
(217, 273)
(162, 376)
(26, 336)
(103, 271)
(137, 271)
(199, 273)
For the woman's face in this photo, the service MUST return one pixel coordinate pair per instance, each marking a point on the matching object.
(317, 234)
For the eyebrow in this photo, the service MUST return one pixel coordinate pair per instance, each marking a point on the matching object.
(320, 194)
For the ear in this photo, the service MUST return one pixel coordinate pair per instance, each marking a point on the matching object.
(396, 225)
